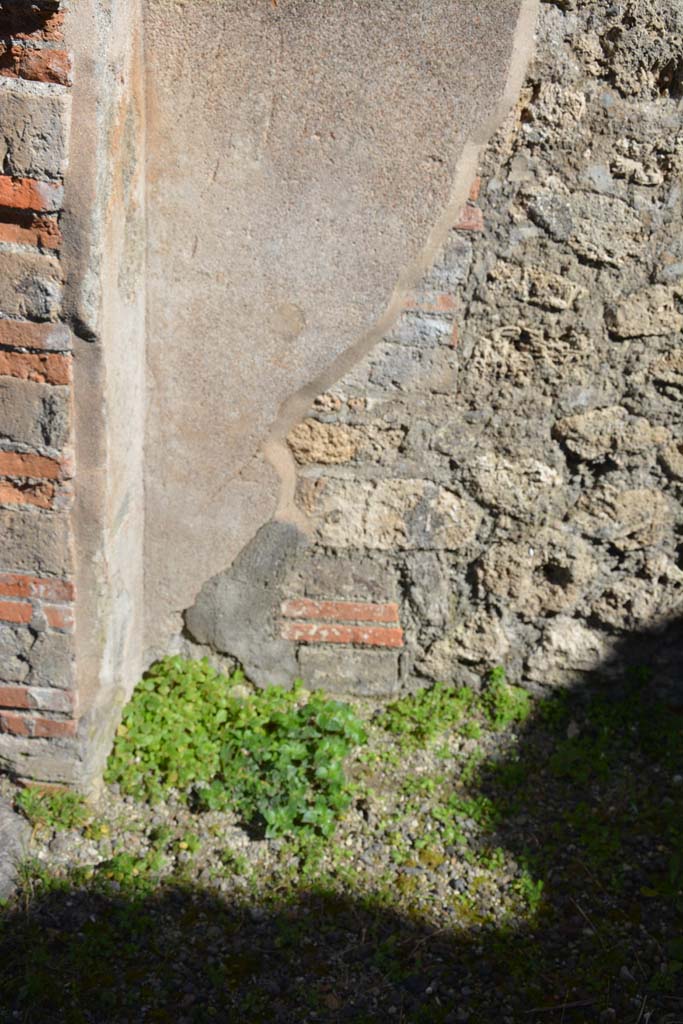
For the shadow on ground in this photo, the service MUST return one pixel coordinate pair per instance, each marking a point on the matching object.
(590, 802)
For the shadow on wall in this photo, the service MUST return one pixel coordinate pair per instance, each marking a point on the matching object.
(589, 800)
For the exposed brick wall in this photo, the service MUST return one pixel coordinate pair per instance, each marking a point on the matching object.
(37, 695)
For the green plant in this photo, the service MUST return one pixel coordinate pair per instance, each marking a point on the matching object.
(504, 703)
(421, 716)
(531, 891)
(277, 761)
(57, 810)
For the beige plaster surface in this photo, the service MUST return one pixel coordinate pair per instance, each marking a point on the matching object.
(305, 159)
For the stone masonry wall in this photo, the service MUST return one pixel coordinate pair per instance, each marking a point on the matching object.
(505, 470)
(38, 709)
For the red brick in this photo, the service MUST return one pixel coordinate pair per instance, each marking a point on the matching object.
(37, 467)
(340, 611)
(318, 633)
(30, 229)
(42, 367)
(46, 337)
(18, 61)
(14, 697)
(15, 611)
(59, 617)
(30, 194)
(475, 189)
(36, 698)
(39, 495)
(45, 588)
(15, 724)
(51, 728)
(471, 219)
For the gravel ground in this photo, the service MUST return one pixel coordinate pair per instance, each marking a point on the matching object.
(526, 873)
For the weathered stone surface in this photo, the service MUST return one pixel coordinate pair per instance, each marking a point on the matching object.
(34, 414)
(394, 515)
(30, 285)
(567, 650)
(525, 488)
(15, 647)
(628, 519)
(648, 598)
(325, 443)
(14, 838)
(672, 460)
(611, 431)
(646, 313)
(546, 575)
(34, 133)
(297, 187)
(39, 542)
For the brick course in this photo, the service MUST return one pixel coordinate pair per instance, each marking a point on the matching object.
(340, 611)
(30, 194)
(48, 368)
(37, 678)
(327, 633)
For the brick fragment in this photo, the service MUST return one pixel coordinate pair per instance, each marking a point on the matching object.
(36, 467)
(340, 611)
(15, 724)
(14, 697)
(15, 611)
(44, 368)
(475, 189)
(39, 495)
(28, 228)
(27, 698)
(59, 617)
(45, 337)
(470, 219)
(41, 65)
(43, 588)
(319, 633)
(52, 728)
(30, 194)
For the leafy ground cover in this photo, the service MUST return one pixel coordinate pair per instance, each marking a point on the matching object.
(487, 857)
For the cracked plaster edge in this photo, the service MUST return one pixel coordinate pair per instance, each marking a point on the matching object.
(294, 408)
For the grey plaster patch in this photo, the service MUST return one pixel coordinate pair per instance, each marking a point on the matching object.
(350, 671)
(237, 611)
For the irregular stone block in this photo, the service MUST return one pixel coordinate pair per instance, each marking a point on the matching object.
(394, 514)
(628, 519)
(568, 650)
(645, 314)
(34, 414)
(34, 133)
(39, 542)
(611, 431)
(30, 285)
